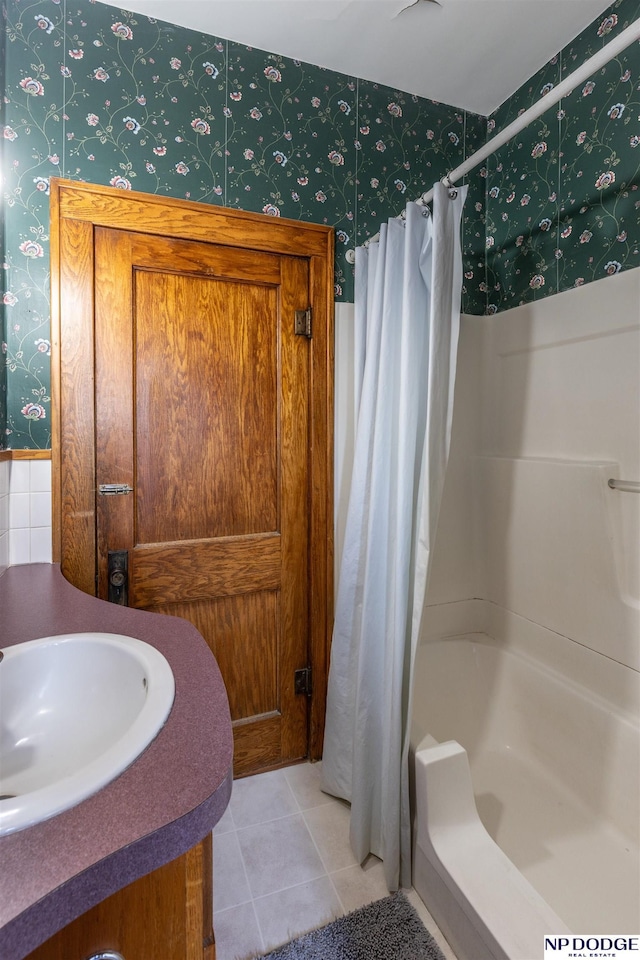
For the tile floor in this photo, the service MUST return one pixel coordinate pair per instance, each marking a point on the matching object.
(283, 865)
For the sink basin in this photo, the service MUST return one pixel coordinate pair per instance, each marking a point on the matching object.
(75, 711)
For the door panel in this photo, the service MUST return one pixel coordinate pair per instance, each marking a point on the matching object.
(202, 399)
(252, 682)
(198, 405)
(219, 568)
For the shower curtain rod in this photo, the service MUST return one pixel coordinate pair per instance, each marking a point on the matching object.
(582, 73)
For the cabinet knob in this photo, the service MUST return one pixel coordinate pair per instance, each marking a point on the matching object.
(106, 955)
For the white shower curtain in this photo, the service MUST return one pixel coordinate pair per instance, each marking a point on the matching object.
(407, 317)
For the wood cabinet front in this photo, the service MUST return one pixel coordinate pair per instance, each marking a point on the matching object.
(165, 915)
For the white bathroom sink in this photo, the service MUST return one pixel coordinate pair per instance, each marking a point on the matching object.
(75, 711)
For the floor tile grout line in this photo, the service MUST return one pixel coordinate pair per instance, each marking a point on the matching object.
(322, 861)
(302, 811)
(251, 895)
(244, 870)
(233, 906)
(278, 776)
(246, 877)
(291, 886)
(303, 883)
(316, 925)
(257, 919)
(286, 780)
(306, 813)
(327, 798)
(344, 870)
(313, 840)
(231, 816)
(295, 799)
(337, 893)
(265, 823)
(217, 833)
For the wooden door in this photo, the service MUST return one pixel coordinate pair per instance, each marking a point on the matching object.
(202, 399)
(206, 406)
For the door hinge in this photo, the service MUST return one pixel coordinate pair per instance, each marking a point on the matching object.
(302, 325)
(302, 681)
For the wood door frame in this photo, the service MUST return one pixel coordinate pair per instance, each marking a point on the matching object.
(76, 209)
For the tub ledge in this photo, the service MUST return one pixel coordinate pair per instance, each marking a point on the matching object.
(485, 907)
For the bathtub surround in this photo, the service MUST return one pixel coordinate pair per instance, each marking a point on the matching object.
(538, 558)
(554, 767)
(486, 906)
(547, 394)
(544, 554)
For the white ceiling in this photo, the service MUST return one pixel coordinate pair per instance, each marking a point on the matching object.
(472, 54)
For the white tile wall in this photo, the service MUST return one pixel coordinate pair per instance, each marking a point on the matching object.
(4, 514)
(27, 511)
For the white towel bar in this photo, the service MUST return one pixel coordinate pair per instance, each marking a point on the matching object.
(627, 486)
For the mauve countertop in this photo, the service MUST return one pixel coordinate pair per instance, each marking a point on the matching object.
(159, 808)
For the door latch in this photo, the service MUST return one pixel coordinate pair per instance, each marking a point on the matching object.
(114, 489)
(118, 576)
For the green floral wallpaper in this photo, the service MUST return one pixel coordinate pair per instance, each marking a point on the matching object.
(98, 94)
(3, 308)
(563, 199)
(94, 93)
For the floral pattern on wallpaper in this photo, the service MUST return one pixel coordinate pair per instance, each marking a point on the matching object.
(474, 227)
(290, 144)
(98, 94)
(563, 199)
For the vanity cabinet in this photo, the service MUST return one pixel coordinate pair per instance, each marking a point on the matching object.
(165, 915)
(160, 807)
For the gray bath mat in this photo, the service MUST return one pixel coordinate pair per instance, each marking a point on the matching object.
(388, 929)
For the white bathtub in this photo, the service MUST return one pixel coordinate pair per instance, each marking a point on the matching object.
(555, 774)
